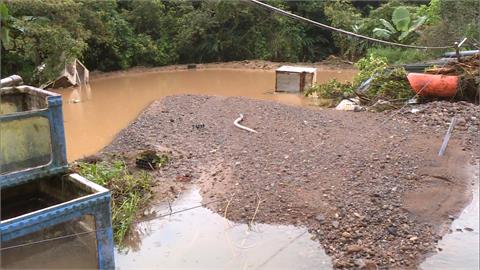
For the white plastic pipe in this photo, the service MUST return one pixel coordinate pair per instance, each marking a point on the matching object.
(236, 123)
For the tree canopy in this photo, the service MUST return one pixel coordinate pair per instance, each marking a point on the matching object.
(39, 37)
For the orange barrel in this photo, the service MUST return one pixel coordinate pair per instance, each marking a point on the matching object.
(429, 85)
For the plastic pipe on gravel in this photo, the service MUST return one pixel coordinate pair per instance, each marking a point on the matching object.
(236, 123)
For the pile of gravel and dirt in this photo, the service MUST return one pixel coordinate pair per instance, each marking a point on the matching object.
(435, 116)
(373, 193)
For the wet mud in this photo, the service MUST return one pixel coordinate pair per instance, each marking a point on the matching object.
(357, 183)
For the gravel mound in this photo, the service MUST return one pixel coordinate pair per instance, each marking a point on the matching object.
(373, 193)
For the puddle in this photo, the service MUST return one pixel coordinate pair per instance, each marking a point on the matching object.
(201, 239)
(94, 115)
(460, 250)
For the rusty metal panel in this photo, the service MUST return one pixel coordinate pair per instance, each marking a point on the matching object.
(288, 81)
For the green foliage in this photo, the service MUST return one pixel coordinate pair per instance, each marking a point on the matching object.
(342, 14)
(431, 12)
(396, 56)
(451, 21)
(111, 34)
(130, 192)
(390, 85)
(39, 37)
(333, 89)
(392, 20)
(110, 44)
(5, 29)
(401, 18)
(403, 26)
(368, 66)
(43, 35)
(386, 83)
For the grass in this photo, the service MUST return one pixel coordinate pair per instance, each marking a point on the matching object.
(131, 192)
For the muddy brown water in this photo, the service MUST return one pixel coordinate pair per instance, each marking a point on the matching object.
(95, 114)
(202, 239)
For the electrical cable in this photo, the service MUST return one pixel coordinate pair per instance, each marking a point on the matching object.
(328, 27)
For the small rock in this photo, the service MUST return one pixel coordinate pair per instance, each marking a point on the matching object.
(461, 121)
(320, 218)
(381, 105)
(468, 229)
(392, 230)
(360, 263)
(335, 224)
(358, 215)
(369, 265)
(340, 263)
(354, 248)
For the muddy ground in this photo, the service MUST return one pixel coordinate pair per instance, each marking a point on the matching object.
(373, 193)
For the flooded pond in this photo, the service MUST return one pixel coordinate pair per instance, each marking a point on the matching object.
(201, 239)
(94, 115)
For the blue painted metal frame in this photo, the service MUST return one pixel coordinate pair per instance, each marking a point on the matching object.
(96, 204)
(58, 164)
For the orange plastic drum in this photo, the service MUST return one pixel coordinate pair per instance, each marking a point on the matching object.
(428, 85)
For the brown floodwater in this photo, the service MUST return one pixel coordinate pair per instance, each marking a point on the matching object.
(94, 114)
(460, 249)
(201, 239)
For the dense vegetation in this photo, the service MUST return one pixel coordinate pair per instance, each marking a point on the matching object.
(130, 192)
(38, 37)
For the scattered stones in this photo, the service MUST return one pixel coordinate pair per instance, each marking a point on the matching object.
(343, 175)
(354, 248)
(320, 218)
(392, 230)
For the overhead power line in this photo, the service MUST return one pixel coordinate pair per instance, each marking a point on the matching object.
(345, 32)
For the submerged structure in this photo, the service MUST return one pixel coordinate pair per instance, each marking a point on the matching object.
(41, 201)
(74, 73)
(294, 79)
